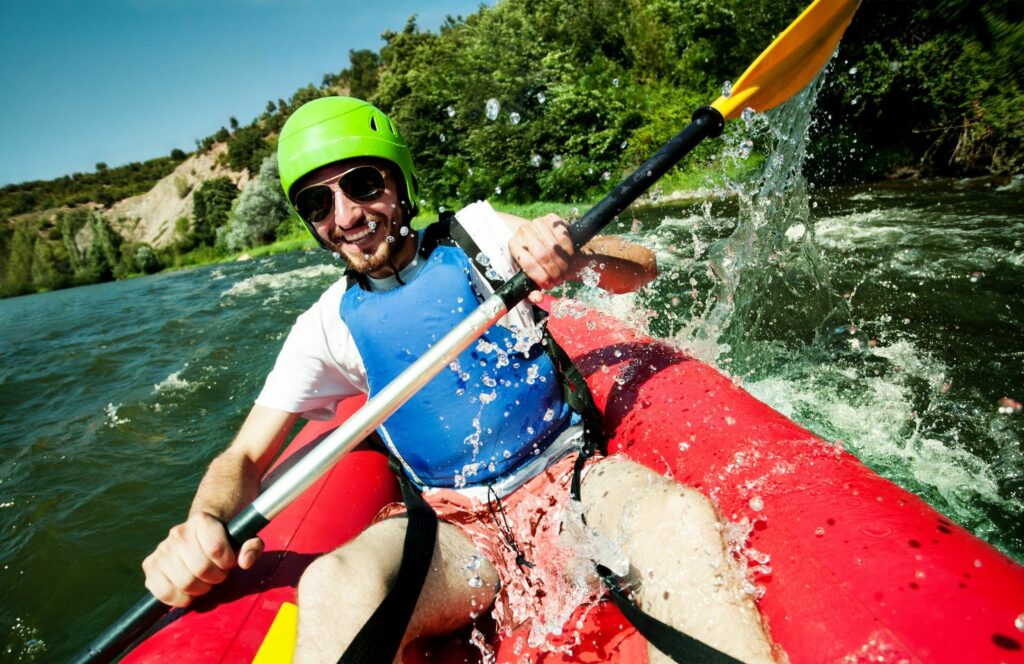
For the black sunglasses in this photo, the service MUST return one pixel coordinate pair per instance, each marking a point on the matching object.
(361, 184)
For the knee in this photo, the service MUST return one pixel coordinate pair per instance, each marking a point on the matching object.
(348, 573)
(625, 497)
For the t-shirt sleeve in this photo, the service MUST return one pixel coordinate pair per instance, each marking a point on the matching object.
(318, 365)
(492, 236)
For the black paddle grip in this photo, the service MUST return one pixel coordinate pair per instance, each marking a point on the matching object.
(148, 610)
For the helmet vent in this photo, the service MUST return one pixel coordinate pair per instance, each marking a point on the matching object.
(373, 123)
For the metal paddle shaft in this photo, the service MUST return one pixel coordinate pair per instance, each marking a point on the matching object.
(706, 122)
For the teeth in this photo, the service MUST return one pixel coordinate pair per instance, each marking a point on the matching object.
(356, 237)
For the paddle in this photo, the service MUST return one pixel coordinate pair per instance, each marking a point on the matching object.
(785, 67)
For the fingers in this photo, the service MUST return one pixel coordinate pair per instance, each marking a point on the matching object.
(544, 250)
(195, 556)
(251, 550)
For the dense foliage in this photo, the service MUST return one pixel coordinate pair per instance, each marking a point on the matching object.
(555, 99)
(262, 213)
(106, 186)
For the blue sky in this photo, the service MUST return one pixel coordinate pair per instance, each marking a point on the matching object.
(128, 80)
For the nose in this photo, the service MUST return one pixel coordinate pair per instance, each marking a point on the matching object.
(347, 213)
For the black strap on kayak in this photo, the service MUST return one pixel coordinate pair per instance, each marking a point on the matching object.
(677, 645)
(381, 636)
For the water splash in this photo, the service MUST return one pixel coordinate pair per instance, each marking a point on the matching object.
(492, 108)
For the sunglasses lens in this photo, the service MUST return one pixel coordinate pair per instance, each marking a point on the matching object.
(314, 203)
(363, 184)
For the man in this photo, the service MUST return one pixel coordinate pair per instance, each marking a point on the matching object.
(490, 439)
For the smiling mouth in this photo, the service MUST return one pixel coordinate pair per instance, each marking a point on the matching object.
(358, 235)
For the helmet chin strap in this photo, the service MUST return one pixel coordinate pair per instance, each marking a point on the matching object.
(399, 243)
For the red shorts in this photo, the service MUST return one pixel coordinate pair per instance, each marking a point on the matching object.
(561, 578)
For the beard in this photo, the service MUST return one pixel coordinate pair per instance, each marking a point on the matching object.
(376, 256)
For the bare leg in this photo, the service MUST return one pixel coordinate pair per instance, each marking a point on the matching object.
(340, 590)
(686, 576)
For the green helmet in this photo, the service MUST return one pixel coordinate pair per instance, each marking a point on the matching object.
(330, 129)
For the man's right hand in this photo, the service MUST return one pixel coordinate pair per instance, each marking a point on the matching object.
(195, 557)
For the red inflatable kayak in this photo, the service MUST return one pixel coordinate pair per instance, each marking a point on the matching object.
(850, 567)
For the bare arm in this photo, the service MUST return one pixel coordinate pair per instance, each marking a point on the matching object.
(233, 479)
(544, 250)
(196, 554)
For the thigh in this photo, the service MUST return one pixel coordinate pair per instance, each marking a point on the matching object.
(460, 586)
(340, 590)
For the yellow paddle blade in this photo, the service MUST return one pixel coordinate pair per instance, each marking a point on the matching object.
(793, 59)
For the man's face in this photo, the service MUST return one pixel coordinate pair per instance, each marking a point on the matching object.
(363, 232)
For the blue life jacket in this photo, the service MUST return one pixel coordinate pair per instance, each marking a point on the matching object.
(483, 415)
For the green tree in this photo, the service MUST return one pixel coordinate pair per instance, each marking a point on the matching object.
(247, 149)
(70, 224)
(146, 259)
(103, 254)
(261, 209)
(363, 73)
(18, 280)
(211, 204)
(51, 268)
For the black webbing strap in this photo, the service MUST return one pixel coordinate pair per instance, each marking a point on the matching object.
(381, 636)
(669, 640)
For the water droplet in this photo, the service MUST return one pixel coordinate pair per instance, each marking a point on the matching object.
(606, 176)
(819, 532)
(336, 255)
(756, 503)
(745, 147)
(476, 582)
(497, 190)
(493, 108)
(366, 257)
(442, 138)
(372, 225)
(556, 161)
(1019, 622)
(403, 231)
(441, 208)
(615, 82)
(727, 89)
(423, 202)
(535, 160)
(474, 562)
(390, 239)
(683, 447)
(549, 414)
(624, 144)
(482, 259)
(513, 117)
(541, 98)
(450, 111)
(748, 116)
(853, 71)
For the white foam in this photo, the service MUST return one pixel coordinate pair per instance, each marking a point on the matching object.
(173, 382)
(876, 418)
(280, 282)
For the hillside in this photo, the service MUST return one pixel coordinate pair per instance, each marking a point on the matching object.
(150, 217)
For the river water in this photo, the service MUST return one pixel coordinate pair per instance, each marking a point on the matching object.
(889, 317)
